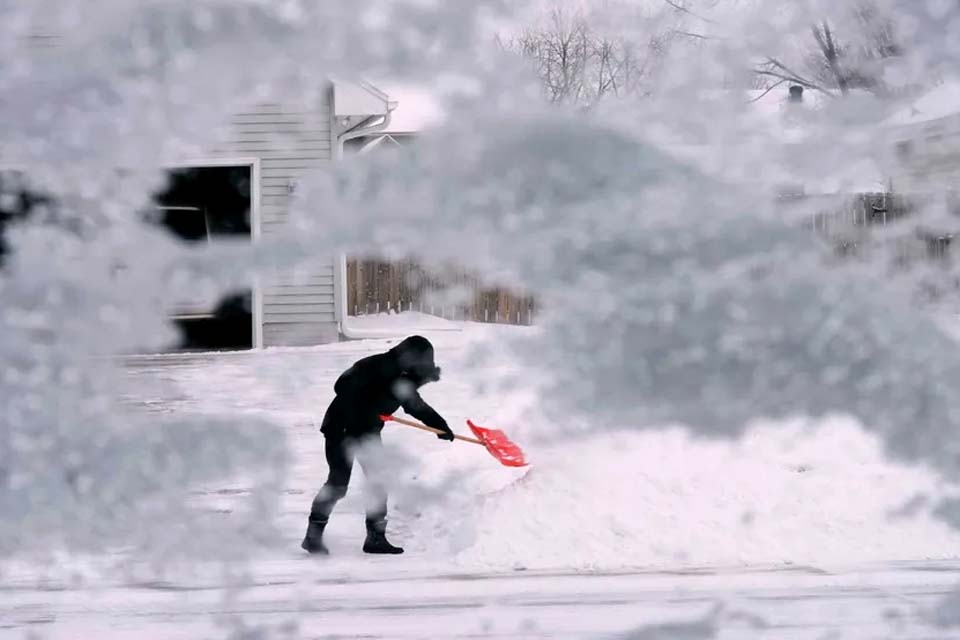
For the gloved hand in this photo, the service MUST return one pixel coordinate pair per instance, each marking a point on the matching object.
(447, 434)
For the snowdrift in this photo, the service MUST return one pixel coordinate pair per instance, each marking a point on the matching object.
(661, 499)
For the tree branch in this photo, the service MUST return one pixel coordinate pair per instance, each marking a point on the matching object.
(794, 79)
(768, 90)
(690, 34)
(680, 7)
(779, 65)
(828, 47)
(793, 76)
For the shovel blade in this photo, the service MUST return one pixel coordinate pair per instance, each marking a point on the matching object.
(499, 446)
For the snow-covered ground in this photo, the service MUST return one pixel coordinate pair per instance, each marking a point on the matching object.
(797, 527)
(297, 597)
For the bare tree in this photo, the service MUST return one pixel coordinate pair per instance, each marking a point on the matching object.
(559, 51)
(580, 65)
(835, 63)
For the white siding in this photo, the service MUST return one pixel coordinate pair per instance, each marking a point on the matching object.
(928, 155)
(299, 334)
(289, 141)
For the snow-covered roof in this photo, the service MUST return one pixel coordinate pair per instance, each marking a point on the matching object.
(412, 108)
(942, 101)
(417, 108)
(359, 99)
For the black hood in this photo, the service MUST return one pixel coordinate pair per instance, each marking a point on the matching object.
(414, 356)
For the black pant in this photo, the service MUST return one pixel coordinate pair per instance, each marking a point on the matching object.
(340, 454)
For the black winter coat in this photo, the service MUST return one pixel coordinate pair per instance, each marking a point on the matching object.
(381, 384)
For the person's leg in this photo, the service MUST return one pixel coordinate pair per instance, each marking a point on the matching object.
(370, 456)
(340, 463)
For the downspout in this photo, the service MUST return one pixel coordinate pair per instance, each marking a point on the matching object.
(358, 131)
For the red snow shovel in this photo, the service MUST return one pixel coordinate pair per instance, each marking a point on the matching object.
(496, 441)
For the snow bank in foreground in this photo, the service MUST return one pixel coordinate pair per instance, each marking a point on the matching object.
(812, 493)
(782, 495)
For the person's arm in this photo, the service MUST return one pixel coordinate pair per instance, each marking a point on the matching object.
(419, 409)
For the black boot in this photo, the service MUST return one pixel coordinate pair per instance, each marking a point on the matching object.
(376, 541)
(313, 541)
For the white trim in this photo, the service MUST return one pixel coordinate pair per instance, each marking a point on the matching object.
(340, 279)
(340, 289)
(340, 270)
(191, 316)
(213, 161)
(255, 223)
(256, 231)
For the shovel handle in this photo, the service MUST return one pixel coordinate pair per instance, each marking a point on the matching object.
(423, 427)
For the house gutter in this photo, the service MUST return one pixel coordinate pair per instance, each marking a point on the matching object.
(364, 128)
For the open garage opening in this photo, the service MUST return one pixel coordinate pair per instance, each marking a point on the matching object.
(203, 204)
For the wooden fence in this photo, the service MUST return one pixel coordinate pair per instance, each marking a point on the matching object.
(847, 227)
(375, 286)
(864, 210)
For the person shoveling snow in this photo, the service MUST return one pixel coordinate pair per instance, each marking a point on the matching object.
(374, 386)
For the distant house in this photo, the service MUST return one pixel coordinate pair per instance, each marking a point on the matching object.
(912, 161)
(844, 187)
(926, 141)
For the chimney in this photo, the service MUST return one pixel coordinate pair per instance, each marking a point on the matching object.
(796, 93)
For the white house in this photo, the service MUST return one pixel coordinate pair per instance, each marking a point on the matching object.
(260, 155)
(926, 141)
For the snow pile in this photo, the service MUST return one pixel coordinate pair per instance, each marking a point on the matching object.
(782, 495)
